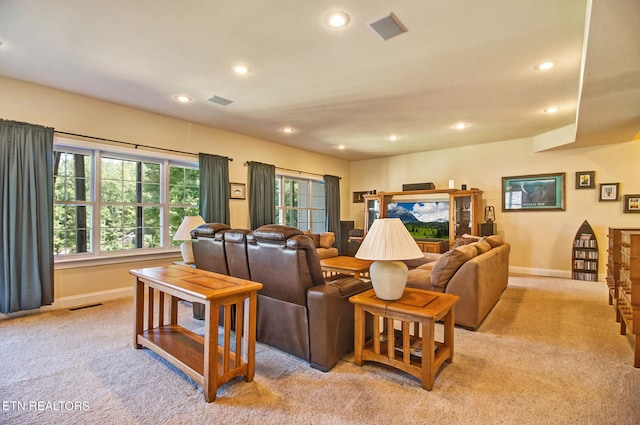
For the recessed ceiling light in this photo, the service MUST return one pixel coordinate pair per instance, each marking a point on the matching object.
(287, 130)
(461, 125)
(182, 98)
(394, 138)
(545, 66)
(552, 109)
(342, 147)
(240, 69)
(337, 19)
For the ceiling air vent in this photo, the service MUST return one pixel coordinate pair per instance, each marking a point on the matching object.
(220, 100)
(388, 27)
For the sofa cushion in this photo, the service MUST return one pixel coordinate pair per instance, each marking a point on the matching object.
(327, 239)
(482, 246)
(494, 240)
(449, 263)
(316, 238)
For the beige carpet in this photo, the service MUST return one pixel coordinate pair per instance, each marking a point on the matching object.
(549, 353)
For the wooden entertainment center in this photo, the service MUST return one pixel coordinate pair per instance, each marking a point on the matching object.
(464, 212)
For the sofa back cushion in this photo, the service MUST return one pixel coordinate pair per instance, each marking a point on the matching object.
(208, 247)
(285, 261)
(482, 246)
(449, 263)
(235, 245)
(494, 240)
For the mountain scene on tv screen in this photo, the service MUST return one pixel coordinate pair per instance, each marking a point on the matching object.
(423, 220)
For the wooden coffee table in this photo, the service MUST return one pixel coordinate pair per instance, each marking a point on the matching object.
(343, 264)
(199, 357)
(420, 357)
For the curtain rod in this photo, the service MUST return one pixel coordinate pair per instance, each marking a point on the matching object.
(135, 145)
(295, 171)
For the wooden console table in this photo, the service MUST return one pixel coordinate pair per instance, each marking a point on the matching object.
(420, 357)
(199, 357)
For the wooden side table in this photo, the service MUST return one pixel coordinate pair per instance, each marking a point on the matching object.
(199, 357)
(343, 264)
(420, 357)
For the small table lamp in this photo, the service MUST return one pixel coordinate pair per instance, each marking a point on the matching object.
(183, 233)
(387, 243)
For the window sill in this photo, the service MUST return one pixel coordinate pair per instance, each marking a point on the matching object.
(128, 257)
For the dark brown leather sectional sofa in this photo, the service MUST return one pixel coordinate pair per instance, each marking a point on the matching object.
(298, 312)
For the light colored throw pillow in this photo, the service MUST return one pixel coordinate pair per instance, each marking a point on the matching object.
(449, 263)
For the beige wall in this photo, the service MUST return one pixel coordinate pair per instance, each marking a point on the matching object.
(68, 112)
(541, 241)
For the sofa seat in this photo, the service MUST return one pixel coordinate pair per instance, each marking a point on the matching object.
(327, 252)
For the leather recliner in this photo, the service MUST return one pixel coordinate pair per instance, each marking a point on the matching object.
(298, 312)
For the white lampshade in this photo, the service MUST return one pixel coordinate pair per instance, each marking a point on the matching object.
(183, 233)
(387, 243)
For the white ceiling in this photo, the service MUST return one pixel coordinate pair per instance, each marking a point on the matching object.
(461, 60)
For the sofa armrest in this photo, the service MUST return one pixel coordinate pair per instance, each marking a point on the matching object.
(331, 321)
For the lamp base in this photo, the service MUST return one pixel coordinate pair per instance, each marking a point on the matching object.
(388, 279)
(187, 252)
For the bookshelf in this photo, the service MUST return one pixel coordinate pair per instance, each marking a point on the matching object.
(585, 254)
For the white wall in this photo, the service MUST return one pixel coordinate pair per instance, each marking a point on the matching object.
(541, 241)
(68, 112)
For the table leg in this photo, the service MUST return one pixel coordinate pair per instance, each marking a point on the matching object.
(359, 324)
(449, 327)
(138, 301)
(173, 310)
(210, 386)
(428, 355)
(250, 334)
(636, 350)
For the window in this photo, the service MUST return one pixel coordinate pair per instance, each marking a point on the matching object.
(110, 201)
(300, 203)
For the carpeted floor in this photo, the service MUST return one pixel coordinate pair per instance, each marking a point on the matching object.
(549, 353)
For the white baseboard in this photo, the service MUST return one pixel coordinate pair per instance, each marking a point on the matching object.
(564, 274)
(540, 272)
(92, 298)
(75, 301)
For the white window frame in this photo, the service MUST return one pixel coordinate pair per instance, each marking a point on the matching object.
(97, 150)
(282, 208)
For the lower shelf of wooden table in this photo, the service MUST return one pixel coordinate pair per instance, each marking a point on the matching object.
(414, 367)
(185, 350)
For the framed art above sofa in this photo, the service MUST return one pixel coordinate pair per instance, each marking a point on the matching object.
(535, 192)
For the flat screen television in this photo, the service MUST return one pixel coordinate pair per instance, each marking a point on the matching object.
(424, 219)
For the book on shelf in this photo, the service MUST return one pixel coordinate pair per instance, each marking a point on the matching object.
(415, 343)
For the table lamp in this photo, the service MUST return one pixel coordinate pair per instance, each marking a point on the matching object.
(183, 233)
(387, 243)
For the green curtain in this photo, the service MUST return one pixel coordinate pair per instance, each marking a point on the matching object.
(262, 194)
(26, 216)
(214, 188)
(332, 206)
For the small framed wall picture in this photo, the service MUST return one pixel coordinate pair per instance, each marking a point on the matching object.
(609, 191)
(585, 180)
(632, 203)
(238, 190)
